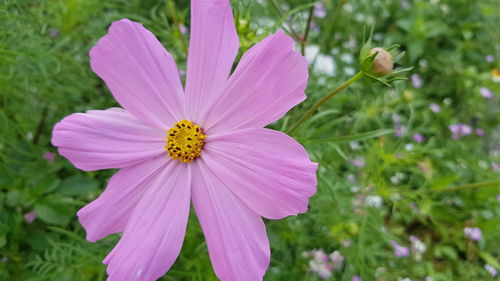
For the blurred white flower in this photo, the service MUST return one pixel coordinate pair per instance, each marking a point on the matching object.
(491, 270)
(347, 58)
(409, 146)
(374, 201)
(354, 145)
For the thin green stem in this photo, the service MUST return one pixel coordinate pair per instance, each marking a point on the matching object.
(306, 32)
(294, 34)
(466, 186)
(172, 10)
(315, 107)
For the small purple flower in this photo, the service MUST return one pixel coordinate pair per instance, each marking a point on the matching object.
(320, 256)
(358, 162)
(321, 269)
(400, 251)
(182, 73)
(466, 130)
(183, 29)
(480, 132)
(400, 130)
(351, 178)
(418, 137)
(495, 166)
(473, 233)
(459, 130)
(486, 93)
(356, 278)
(396, 118)
(49, 156)
(489, 58)
(54, 33)
(322, 264)
(336, 257)
(491, 270)
(314, 26)
(416, 80)
(435, 107)
(320, 10)
(30, 217)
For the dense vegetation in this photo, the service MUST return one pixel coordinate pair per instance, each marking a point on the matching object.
(396, 197)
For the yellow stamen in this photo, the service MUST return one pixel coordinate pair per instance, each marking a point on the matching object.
(184, 141)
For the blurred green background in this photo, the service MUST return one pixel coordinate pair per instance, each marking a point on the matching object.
(390, 157)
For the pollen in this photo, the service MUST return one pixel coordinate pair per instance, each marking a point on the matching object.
(185, 141)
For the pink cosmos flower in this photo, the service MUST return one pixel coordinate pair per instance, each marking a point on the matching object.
(205, 143)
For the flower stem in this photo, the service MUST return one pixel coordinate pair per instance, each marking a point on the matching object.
(306, 32)
(315, 107)
(466, 186)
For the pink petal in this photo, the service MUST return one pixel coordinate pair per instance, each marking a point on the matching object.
(266, 169)
(105, 139)
(111, 211)
(213, 46)
(269, 80)
(235, 235)
(140, 73)
(154, 234)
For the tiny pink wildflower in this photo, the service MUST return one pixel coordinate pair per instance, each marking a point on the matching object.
(491, 270)
(416, 80)
(204, 144)
(49, 156)
(30, 217)
(473, 233)
(320, 10)
(400, 251)
(486, 93)
(495, 166)
(324, 265)
(183, 29)
(358, 161)
(418, 137)
(435, 107)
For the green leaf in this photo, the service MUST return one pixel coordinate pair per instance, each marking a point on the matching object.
(3, 229)
(356, 137)
(44, 186)
(78, 185)
(13, 198)
(489, 259)
(51, 214)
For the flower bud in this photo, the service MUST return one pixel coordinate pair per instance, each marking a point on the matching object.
(382, 64)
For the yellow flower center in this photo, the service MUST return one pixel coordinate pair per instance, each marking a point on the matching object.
(185, 141)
